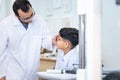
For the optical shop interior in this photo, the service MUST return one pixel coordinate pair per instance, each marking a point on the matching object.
(59, 40)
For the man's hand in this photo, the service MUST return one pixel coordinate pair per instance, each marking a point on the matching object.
(3, 78)
(54, 40)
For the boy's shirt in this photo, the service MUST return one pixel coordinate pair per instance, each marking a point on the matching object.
(67, 61)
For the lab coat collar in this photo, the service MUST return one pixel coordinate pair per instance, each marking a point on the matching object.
(70, 53)
(16, 21)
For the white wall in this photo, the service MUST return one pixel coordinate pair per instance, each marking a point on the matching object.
(111, 34)
(5, 8)
(2, 9)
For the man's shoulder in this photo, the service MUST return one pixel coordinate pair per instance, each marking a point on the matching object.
(6, 20)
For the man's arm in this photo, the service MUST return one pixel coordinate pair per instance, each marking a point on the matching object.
(3, 78)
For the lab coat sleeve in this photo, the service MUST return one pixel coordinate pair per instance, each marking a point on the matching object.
(47, 39)
(3, 45)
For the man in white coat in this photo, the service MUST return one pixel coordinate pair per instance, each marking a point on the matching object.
(22, 35)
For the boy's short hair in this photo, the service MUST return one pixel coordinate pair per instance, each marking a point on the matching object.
(113, 76)
(70, 34)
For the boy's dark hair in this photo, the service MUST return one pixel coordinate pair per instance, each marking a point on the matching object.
(113, 76)
(24, 5)
(70, 34)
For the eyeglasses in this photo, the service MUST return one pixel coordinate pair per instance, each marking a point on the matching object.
(28, 18)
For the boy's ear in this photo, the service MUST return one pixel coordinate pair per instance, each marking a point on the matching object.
(67, 44)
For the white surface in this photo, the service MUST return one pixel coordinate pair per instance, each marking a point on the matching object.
(51, 71)
(81, 74)
(45, 75)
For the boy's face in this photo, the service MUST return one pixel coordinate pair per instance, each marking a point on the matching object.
(61, 43)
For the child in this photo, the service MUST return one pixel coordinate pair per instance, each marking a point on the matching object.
(67, 41)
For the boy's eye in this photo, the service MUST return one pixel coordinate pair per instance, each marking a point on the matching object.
(59, 39)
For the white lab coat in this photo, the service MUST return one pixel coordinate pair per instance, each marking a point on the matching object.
(67, 61)
(20, 48)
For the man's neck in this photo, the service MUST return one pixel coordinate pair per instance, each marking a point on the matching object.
(24, 24)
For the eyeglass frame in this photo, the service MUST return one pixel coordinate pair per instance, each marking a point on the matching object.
(27, 19)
